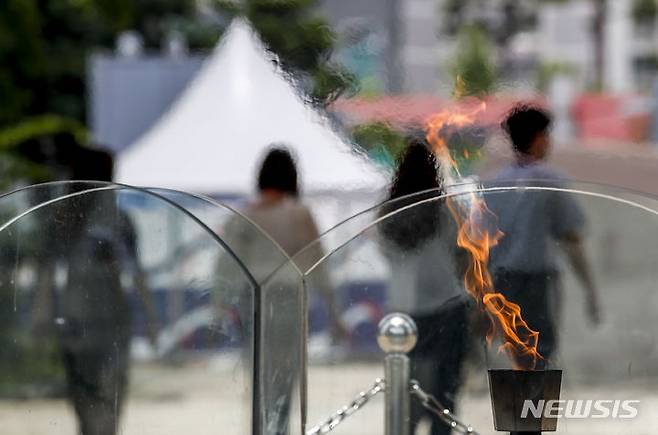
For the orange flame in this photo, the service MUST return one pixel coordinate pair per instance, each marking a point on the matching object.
(477, 237)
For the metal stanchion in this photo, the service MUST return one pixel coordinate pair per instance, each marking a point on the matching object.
(397, 337)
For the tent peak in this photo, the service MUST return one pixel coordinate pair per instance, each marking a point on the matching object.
(239, 103)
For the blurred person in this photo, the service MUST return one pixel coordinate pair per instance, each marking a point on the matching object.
(280, 213)
(524, 262)
(425, 283)
(95, 320)
(277, 208)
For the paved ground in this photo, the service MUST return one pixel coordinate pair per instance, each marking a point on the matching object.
(193, 400)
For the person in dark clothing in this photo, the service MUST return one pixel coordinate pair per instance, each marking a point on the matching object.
(95, 321)
(420, 243)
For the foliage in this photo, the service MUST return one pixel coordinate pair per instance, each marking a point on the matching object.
(648, 62)
(515, 16)
(645, 11)
(44, 45)
(16, 164)
(465, 145)
(474, 70)
(22, 57)
(547, 71)
(382, 141)
(302, 41)
(11, 137)
(502, 20)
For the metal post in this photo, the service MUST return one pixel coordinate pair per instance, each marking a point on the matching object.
(397, 336)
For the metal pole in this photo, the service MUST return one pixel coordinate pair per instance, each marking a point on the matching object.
(397, 336)
(397, 394)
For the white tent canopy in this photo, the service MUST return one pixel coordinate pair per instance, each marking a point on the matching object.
(215, 135)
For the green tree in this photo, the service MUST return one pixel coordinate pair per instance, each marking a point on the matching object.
(474, 70)
(302, 41)
(548, 71)
(23, 57)
(154, 19)
(44, 45)
(382, 141)
(645, 12)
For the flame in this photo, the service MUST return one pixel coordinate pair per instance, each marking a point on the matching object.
(438, 127)
(477, 235)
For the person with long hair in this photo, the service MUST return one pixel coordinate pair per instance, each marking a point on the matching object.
(420, 242)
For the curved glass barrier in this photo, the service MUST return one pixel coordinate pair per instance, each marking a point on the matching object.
(255, 248)
(279, 308)
(580, 264)
(346, 230)
(122, 313)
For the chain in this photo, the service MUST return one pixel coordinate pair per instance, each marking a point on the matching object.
(433, 405)
(427, 400)
(359, 401)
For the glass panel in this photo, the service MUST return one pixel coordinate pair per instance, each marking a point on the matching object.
(254, 247)
(409, 260)
(122, 314)
(279, 302)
